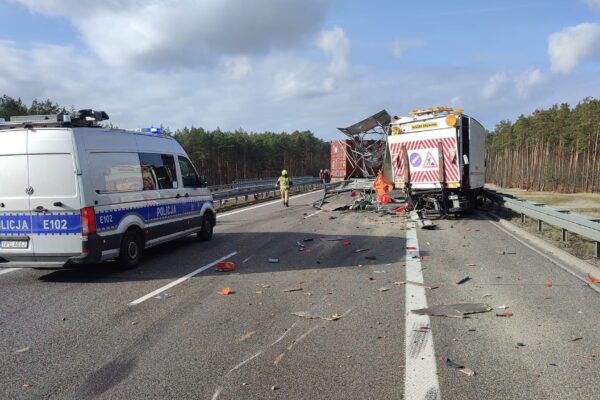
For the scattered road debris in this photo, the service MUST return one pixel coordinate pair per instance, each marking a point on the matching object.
(225, 291)
(424, 328)
(575, 339)
(334, 239)
(455, 365)
(278, 358)
(308, 240)
(360, 250)
(263, 285)
(304, 314)
(246, 336)
(470, 265)
(383, 289)
(246, 260)
(380, 272)
(463, 280)
(273, 260)
(592, 279)
(225, 266)
(23, 350)
(506, 314)
(274, 387)
(300, 244)
(547, 285)
(415, 284)
(552, 365)
(505, 252)
(305, 250)
(370, 258)
(346, 242)
(26, 386)
(426, 224)
(292, 289)
(453, 310)
(163, 295)
(410, 248)
(402, 208)
(504, 307)
(520, 344)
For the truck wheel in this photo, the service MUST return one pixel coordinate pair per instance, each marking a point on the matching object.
(132, 248)
(206, 232)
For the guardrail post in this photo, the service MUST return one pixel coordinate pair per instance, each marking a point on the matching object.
(565, 235)
(540, 226)
(522, 218)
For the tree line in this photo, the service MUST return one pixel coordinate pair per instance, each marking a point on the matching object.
(554, 149)
(219, 155)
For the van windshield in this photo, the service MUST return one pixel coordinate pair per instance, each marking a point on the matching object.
(13, 175)
(52, 175)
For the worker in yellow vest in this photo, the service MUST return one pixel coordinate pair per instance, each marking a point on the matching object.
(284, 183)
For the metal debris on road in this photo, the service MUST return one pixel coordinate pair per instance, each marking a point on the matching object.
(293, 289)
(300, 244)
(304, 314)
(453, 310)
(273, 260)
(225, 266)
(163, 295)
(384, 289)
(505, 314)
(360, 250)
(503, 307)
(453, 364)
(225, 291)
(23, 350)
(426, 224)
(463, 280)
(415, 284)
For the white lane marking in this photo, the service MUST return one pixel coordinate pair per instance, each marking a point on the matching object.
(421, 381)
(546, 256)
(315, 213)
(180, 280)
(263, 205)
(7, 270)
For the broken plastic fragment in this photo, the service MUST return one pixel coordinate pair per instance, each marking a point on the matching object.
(467, 371)
(346, 242)
(463, 280)
(593, 279)
(360, 250)
(506, 314)
(23, 350)
(308, 240)
(410, 248)
(383, 289)
(547, 285)
(225, 291)
(415, 284)
(305, 314)
(300, 244)
(225, 266)
(26, 386)
(504, 307)
(163, 295)
(453, 364)
(453, 310)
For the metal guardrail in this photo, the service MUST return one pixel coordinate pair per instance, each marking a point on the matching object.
(567, 221)
(265, 187)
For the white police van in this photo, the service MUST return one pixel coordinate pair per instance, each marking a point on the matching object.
(72, 192)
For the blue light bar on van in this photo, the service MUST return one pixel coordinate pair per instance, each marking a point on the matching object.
(152, 130)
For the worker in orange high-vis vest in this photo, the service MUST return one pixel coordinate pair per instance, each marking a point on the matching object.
(284, 183)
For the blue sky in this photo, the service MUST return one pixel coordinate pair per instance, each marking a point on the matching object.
(298, 64)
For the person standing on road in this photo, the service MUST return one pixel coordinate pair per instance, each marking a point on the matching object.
(284, 183)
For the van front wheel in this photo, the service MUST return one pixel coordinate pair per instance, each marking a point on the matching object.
(131, 250)
(206, 232)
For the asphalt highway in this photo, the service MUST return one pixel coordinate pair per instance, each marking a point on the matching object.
(162, 330)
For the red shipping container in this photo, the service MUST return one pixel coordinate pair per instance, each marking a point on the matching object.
(344, 164)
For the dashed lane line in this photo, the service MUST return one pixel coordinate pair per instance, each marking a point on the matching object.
(262, 205)
(181, 280)
(7, 270)
(421, 381)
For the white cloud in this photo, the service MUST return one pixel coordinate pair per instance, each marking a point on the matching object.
(502, 84)
(336, 44)
(574, 45)
(185, 32)
(401, 46)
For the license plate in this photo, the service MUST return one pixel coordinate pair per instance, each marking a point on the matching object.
(14, 244)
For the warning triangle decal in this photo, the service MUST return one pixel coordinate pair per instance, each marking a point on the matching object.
(430, 161)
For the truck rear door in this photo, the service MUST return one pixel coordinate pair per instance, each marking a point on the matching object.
(55, 200)
(15, 214)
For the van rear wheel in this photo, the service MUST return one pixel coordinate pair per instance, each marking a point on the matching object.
(206, 231)
(132, 248)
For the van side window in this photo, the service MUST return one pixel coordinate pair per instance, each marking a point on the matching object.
(158, 171)
(115, 172)
(188, 173)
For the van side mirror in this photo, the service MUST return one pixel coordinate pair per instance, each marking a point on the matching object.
(202, 181)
